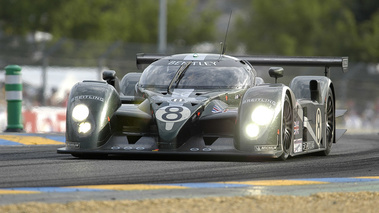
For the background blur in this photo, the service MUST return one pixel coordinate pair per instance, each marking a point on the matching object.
(61, 42)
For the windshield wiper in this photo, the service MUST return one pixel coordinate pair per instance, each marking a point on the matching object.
(178, 75)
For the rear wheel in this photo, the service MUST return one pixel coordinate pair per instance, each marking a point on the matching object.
(287, 128)
(330, 124)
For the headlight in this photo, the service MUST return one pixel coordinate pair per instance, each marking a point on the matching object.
(84, 127)
(252, 130)
(80, 112)
(262, 115)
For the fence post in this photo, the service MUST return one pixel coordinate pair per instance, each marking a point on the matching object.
(13, 91)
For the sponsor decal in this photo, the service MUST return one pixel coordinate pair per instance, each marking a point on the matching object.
(298, 145)
(88, 97)
(44, 119)
(308, 145)
(263, 100)
(178, 100)
(216, 109)
(264, 148)
(296, 128)
(194, 63)
(73, 145)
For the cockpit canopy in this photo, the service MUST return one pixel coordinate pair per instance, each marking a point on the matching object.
(205, 71)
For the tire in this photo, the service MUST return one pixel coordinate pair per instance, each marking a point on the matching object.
(287, 128)
(330, 124)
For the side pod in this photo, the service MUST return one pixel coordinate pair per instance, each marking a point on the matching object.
(89, 111)
(316, 88)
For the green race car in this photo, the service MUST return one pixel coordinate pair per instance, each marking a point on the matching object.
(205, 104)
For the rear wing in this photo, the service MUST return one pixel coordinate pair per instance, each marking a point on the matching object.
(143, 59)
(326, 62)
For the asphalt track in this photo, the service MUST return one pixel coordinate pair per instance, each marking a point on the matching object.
(31, 170)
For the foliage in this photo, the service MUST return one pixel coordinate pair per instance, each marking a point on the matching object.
(317, 27)
(285, 27)
(20, 17)
(124, 20)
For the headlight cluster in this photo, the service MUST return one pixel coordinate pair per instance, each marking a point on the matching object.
(79, 114)
(260, 116)
(252, 130)
(84, 127)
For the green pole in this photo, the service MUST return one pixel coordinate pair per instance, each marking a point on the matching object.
(13, 91)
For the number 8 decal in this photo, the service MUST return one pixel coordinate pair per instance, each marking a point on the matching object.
(172, 114)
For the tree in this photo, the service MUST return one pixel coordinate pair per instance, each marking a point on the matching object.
(363, 10)
(370, 39)
(290, 27)
(318, 27)
(18, 17)
(125, 20)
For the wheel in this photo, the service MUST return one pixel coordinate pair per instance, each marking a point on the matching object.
(287, 128)
(330, 124)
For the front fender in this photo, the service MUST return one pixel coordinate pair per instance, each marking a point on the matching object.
(267, 138)
(102, 101)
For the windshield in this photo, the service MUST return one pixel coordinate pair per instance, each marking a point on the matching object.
(196, 77)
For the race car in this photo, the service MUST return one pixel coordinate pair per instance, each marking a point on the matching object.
(203, 104)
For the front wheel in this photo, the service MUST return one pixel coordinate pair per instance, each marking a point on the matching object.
(287, 128)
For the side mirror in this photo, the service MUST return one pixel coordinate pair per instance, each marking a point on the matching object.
(276, 72)
(110, 77)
